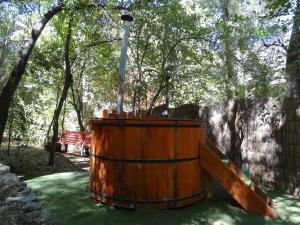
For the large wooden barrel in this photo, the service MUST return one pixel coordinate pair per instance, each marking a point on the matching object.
(146, 163)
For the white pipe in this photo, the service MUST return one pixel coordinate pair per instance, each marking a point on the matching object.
(122, 69)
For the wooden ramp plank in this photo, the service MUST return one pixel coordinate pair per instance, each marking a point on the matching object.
(248, 195)
(236, 170)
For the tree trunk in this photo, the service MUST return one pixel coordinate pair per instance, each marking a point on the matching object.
(134, 99)
(63, 119)
(292, 87)
(228, 49)
(79, 119)
(67, 85)
(19, 68)
(78, 108)
(154, 99)
(9, 137)
(47, 138)
(236, 132)
(78, 104)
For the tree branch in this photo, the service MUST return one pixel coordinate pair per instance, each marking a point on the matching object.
(93, 44)
(276, 44)
(97, 43)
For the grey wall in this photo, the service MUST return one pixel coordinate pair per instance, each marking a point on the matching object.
(261, 136)
(18, 204)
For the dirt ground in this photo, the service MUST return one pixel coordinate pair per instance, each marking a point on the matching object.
(30, 162)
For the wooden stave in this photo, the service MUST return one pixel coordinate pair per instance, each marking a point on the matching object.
(139, 199)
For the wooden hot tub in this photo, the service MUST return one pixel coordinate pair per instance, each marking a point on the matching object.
(146, 163)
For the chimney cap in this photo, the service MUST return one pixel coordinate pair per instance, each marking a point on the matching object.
(127, 17)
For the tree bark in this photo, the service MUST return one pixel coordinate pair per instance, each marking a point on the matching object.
(19, 68)
(78, 108)
(292, 87)
(236, 132)
(47, 138)
(64, 115)
(78, 104)
(228, 49)
(9, 137)
(154, 99)
(67, 85)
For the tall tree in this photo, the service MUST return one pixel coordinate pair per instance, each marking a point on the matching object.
(292, 88)
(162, 44)
(228, 51)
(278, 9)
(77, 98)
(67, 84)
(19, 68)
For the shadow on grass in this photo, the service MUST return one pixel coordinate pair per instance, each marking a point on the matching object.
(68, 196)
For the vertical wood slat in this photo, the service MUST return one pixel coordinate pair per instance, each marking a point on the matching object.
(130, 184)
(104, 114)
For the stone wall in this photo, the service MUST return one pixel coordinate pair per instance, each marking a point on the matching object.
(263, 137)
(18, 204)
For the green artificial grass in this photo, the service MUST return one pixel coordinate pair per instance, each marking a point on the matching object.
(67, 194)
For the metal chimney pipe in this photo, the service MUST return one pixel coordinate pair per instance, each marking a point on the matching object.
(121, 76)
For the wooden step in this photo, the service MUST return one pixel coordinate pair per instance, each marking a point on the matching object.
(235, 182)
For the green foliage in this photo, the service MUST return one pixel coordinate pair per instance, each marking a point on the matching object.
(18, 121)
(210, 49)
(279, 7)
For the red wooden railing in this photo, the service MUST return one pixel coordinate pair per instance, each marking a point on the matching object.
(77, 138)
